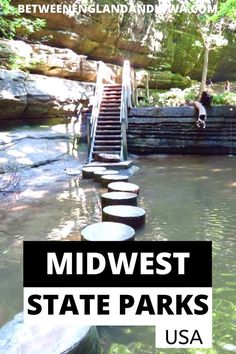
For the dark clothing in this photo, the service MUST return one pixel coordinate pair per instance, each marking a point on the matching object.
(206, 99)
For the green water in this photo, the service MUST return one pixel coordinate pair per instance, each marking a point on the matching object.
(185, 198)
(190, 198)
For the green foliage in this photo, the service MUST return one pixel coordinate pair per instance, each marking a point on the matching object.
(10, 60)
(133, 348)
(227, 98)
(178, 97)
(172, 98)
(119, 349)
(11, 23)
(226, 9)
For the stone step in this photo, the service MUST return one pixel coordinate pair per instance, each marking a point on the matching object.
(108, 231)
(123, 187)
(105, 133)
(109, 117)
(88, 172)
(109, 110)
(115, 87)
(115, 120)
(98, 175)
(107, 124)
(106, 148)
(107, 127)
(106, 179)
(108, 120)
(111, 100)
(108, 137)
(107, 142)
(109, 113)
(118, 198)
(95, 153)
(110, 129)
(51, 338)
(126, 214)
(111, 95)
(113, 91)
(110, 105)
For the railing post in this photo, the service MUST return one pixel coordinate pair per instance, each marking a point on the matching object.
(95, 110)
(134, 88)
(88, 135)
(126, 102)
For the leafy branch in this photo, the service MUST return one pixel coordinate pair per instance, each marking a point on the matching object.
(12, 23)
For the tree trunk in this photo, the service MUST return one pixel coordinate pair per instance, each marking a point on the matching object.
(204, 71)
(147, 87)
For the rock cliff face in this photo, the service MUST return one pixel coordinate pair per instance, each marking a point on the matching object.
(46, 60)
(64, 63)
(37, 96)
(147, 41)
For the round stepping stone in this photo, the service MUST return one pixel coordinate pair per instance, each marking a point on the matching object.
(106, 179)
(123, 187)
(19, 337)
(98, 174)
(118, 198)
(126, 214)
(88, 172)
(108, 231)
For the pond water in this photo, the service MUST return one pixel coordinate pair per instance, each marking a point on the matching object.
(185, 198)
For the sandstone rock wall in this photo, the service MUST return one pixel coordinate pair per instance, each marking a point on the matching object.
(46, 60)
(64, 63)
(173, 130)
(32, 96)
(148, 41)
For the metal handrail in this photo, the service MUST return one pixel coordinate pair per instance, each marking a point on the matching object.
(125, 104)
(96, 107)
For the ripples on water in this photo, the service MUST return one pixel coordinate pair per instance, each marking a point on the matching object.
(185, 198)
(194, 198)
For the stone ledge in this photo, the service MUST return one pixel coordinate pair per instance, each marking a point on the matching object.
(32, 96)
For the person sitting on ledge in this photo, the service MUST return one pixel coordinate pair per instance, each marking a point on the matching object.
(205, 100)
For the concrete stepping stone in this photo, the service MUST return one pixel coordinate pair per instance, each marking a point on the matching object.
(118, 198)
(126, 214)
(88, 172)
(49, 338)
(98, 174)
(106, 179)
(123, 187)
(108, 231)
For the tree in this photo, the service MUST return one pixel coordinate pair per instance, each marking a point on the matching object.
(11, 22)
(211, 29)
(227, 9)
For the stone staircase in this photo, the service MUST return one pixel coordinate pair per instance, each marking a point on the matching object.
(108, 129)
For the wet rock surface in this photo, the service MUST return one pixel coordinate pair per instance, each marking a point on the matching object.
(35, 157)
